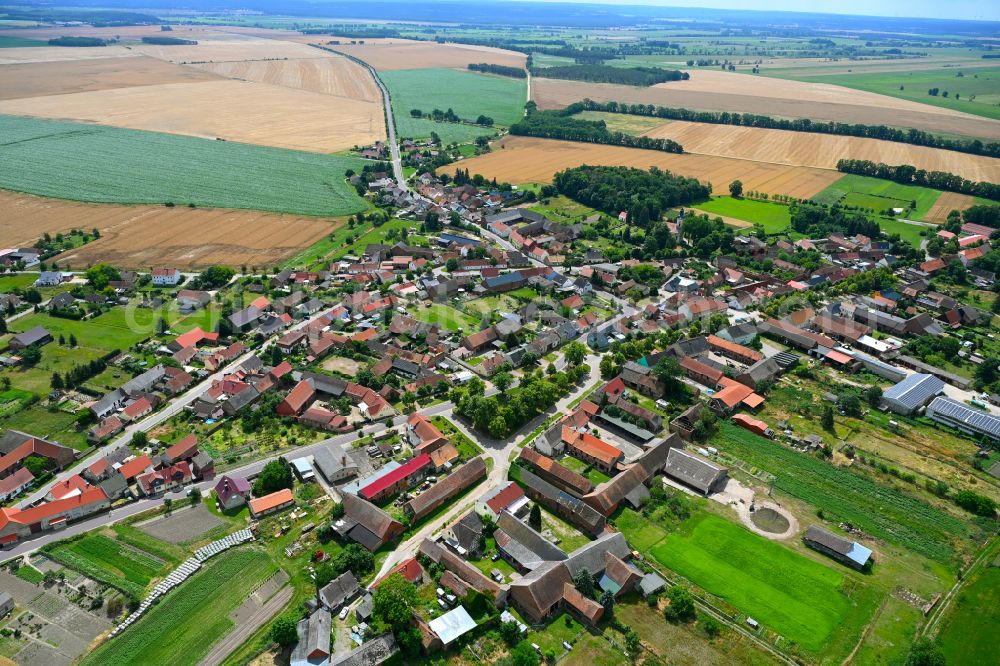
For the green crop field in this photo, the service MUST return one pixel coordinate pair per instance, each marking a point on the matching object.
(468, 94)
(967, 638)
(120, 561)
(18, 42)
(879, 510)
(623, 122)
(112, 165)
(189, 620)
(772, 216)
(797, 597)
(409, 127)
(978, 87)
(878, 194)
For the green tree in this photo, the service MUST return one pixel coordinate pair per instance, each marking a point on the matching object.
(36, 465)
(56, 383)
(584, 583)
(608, 602)
(736, 189)
(393, 601)
(72, 340)
(873, 396)
(195, 495)
(452, 265)
(30, 356)
(535, 517)
(276, 475)
(828, 419)
(608, 367)
(668, 371)
(510, 633)
(924, 652)
(284, 630)
(709, 625)
(575, 353)
(503, 381)
(681, 606)
(101, 274)
(976, 503)
(524, 655)
(139, 440)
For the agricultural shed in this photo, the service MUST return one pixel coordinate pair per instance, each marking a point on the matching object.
(452, 624)
(912, 393)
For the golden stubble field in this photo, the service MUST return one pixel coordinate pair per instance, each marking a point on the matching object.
(407, 54)
(248, 89)
(528, 160)
(142, 236)
(947, 202)
(744, 93)
(819, 150)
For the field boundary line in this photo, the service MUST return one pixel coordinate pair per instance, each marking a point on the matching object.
(932, 627)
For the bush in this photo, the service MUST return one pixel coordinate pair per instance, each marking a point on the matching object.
(681, 606)
(283, 631)
(975, 503)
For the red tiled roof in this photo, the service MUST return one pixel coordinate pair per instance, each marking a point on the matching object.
(195, 336)
(268, 502)
(48, 509)
(138, 408)
(409, 569)
(403, 471)
(186, 448)
(591, 446)
(505, 498)
(73, 485)
(734, 348)
(135, 466)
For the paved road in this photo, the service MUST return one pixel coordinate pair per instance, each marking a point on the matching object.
(390, 126)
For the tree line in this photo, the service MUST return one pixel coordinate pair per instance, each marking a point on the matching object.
(501, 70)
(644, 194)
(819, 221)
(168, 41)
(78, 41)
(908, 174)
(560, 125)
(911, 136)
(601, 73)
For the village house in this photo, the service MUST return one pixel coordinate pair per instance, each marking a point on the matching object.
(366, 524)
(280, 500)
(232, 492)
(591, 450)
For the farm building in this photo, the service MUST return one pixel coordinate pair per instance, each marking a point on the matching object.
(374, 652)
(405, 476)
(912, 393)
(36, 336)
(313, 647)
(366, 524)
(16, 524)
(504, 498)
(695, 472)
(591, 449)
(954, 414)
(453, 624)
(753, 425)
(583, 516)
(273, 503)
(6, 604)
(848, 552)
(334, 464)
(524, 548)
(339, 591)
(556, 474)
(464, 477)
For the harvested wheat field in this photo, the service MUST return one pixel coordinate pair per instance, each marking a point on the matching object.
(749, 94)
(329, 76)
(239, 111)
(63, 53)
(37, 79)
(121, 32)
(143, 236)
(530, 160)
(405, 54)
(226, 47)
(819, 150)
(947, 202)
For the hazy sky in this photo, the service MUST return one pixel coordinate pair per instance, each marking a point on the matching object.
(953, 9)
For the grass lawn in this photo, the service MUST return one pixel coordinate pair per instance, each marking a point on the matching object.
(30, 574)
(116, 165)
(623, 122)
(468, 94)
(983, 83)
(563, 628)
(597, 477)
(640, 532)
(879, 194)
(563, 209)
(118, 328)
(486, 305)
(189, 620)
(17, 281)
(968, 636)
(444, 316)
(772, 216)
(891, 634)
(466, 447)
(908, 232)
(570, 538)
(799, 598)
(420, 128)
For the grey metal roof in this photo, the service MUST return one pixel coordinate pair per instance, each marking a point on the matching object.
(693, 470)
(452, 624)
(973, 419)
(914, 391)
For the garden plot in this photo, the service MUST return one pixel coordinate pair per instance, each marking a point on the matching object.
(182, 525)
